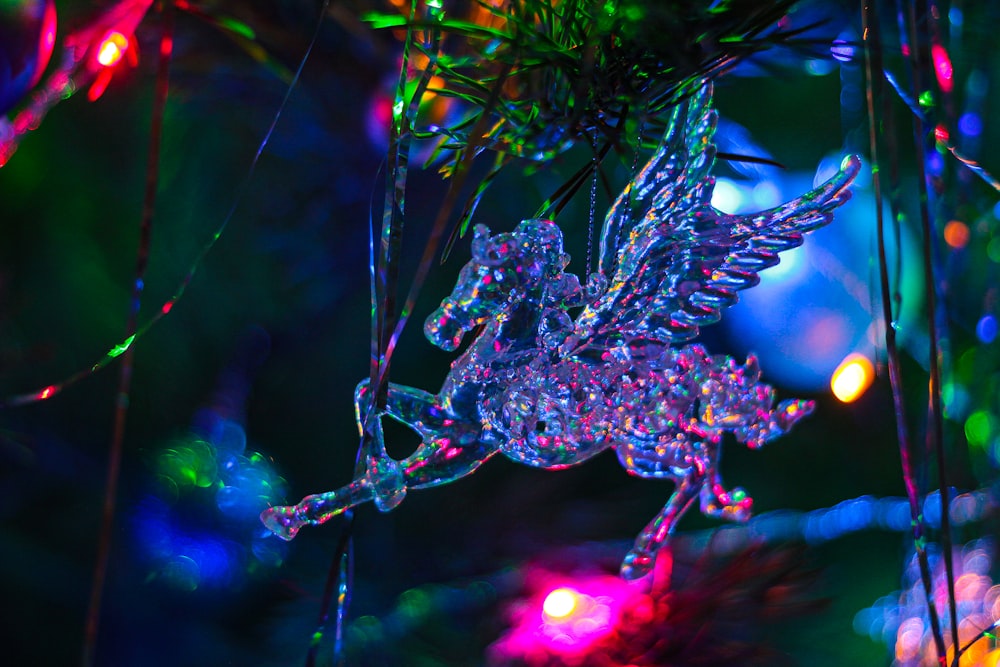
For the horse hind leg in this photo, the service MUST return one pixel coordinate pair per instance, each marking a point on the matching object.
(640, 559)
(379, 480)
(718, 502)
(715, 500)
(450, 449)
(385, 475)
(383, 482)
(387, 478)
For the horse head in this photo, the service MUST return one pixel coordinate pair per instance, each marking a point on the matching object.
(506, 270)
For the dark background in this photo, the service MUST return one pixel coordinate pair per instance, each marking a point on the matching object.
(285, 292)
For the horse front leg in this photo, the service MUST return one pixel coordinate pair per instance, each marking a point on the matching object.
(452, 445)
(450, 449)
(377, 478)
(285, 521)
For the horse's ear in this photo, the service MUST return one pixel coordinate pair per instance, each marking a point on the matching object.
(483, 246)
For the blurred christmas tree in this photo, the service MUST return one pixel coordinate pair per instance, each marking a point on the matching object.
(498, 111)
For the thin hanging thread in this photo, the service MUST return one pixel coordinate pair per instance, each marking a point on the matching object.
(595, 162)
(118, 350)
(873, 65)
(93, 618)
(935, 430)
(339, 580)
(384, 277)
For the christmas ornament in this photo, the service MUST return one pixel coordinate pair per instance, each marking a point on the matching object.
(551, 391)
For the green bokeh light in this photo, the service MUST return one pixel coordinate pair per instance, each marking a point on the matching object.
(979, 427)
(189, 464)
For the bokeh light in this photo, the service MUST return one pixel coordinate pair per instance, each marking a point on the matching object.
(112, 49)
(560, 603)
(970, 124)
(900, 619)
(821, 302)
(956, 234)
(942, 67)
(986, 329)
(727, 197)
(27, 37)
(198, 524)
(567, 616)
(980, 427)
(853, 376)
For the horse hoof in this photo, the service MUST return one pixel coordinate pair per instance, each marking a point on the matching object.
(637, 564)
(282, 521)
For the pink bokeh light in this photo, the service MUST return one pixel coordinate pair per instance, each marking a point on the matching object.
(942, 67)
(567, 614)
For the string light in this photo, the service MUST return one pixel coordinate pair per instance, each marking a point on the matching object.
(956, 234)
(853, 376)
(560, 603)
(112, 49)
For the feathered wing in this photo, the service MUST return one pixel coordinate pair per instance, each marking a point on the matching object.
(676, 176)
(672, 260)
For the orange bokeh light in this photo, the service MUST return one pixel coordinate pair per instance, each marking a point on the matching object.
(956, 234)
(853, 376)
(112, 48)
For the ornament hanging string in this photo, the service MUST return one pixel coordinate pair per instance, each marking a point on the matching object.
(552, 206)
(920, 37)
(969, 163)
(125, 369)
(385, 327)
(595, 161)
(873, 66)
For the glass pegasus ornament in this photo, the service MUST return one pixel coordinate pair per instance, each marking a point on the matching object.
(551, 391)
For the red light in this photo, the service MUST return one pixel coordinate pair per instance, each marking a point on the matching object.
(941, 134)
(942, 67)
(100, 84)
(112, 48)
(48, 40)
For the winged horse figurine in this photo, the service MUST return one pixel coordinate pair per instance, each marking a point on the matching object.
(551, 391)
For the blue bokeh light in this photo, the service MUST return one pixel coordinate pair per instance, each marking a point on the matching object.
(199, 527)
(819, 303)
(970, 124)
(986, 329)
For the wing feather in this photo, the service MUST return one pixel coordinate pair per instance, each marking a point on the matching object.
(673, 261)
(676, 170)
